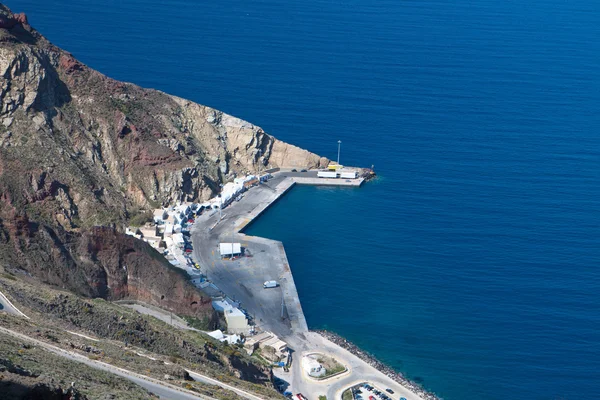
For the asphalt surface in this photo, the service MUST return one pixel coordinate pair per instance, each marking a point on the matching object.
(242, 279)
(307, 174)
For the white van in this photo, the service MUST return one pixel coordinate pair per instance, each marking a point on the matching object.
(270, 284)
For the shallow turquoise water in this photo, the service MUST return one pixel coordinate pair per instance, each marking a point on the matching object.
(472, 262)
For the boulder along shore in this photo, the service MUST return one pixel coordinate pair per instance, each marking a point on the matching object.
(372, 361)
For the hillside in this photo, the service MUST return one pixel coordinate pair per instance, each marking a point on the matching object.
(81, 154)
(115, 335)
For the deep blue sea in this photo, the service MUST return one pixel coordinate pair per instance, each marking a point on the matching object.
(472, 264)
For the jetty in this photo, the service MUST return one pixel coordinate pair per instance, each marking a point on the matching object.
(277, 310)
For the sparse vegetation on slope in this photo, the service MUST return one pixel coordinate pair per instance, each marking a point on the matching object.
(27, 370)
(129, 339)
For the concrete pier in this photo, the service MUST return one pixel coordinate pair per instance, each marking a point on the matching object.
(242, 279)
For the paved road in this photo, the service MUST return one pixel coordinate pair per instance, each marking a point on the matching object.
(161, 389)
(358, 371)
(160, 314)
(210, 381)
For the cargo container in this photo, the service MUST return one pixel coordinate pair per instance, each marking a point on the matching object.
(349, 175)
(326, 174)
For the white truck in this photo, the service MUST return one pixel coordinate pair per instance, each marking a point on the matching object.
(327, 174)
(349, 175)
(270, 284)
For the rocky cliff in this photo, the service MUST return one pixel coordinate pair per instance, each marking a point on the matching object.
(79, 150)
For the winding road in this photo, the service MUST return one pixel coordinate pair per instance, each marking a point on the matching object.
(162, 389)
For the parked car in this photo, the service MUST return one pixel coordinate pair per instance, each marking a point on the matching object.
(303, 170)
(389, 390)
(294, 170)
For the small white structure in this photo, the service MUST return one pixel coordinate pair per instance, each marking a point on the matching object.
(326, 174)
(230, 249)
(178, 240)
(312, 367)
(236, 321)
(168, 229)
(220, 336)
(349, 174)
(168, 242)
(148, 231)
(159, 215)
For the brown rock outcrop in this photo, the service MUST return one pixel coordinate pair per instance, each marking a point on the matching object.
(79, 150)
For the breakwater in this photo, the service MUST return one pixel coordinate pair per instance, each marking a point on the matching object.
(375, 363)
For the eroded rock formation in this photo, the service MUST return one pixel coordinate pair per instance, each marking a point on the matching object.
(79, 151)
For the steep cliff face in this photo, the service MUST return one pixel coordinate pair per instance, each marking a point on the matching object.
(80, 150)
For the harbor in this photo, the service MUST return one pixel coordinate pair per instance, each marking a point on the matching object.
(234, 269)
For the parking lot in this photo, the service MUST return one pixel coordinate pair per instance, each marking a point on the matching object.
(367, 391)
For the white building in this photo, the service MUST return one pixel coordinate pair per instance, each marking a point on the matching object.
(236, 321)
(220, 336)
(230, 249)
(178, 240)
(159, 215)
(168, 229)
(312, 367)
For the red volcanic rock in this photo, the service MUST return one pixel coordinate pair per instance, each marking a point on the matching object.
(131, 269)
(21, 18)
(69, 64)
(8, 22)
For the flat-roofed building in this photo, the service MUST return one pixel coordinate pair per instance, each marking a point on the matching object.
(230, 249)
(236, 321)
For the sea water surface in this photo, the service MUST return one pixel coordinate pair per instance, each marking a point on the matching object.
(472, 263)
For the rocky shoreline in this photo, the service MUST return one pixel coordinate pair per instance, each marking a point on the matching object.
(372, 361)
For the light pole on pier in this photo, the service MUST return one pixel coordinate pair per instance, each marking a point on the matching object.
(221, 203)
(339, 146)
(220, 207)
(259, 162)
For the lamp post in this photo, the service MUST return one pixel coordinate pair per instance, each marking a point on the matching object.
(259, 162)
(339, 146)
(221, 203)
(220, 207)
